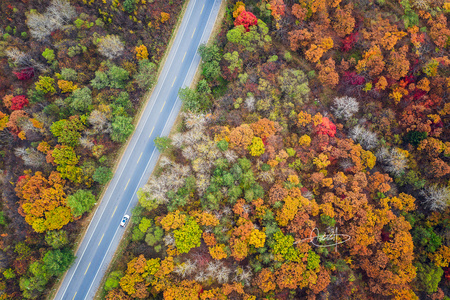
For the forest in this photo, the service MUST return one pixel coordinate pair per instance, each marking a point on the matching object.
(73, 75)
(310, 161)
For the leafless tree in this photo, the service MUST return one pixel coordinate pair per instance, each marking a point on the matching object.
(250, 103)
(395, 161)
(436, 198)
(366, 138)
(59, 13)
(195, 121)
(86, 142)
(111, 46)
(185, 269)
(30, 156)
(243, 275)
(202, 183)
(230, 155)
(345, 107)
(177, 140)
(267, 176)
(99, 122)
(23, 60)
(223, 275)
(201, 277)
(169, 239)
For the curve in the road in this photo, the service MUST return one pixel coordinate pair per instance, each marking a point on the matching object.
(104, 233)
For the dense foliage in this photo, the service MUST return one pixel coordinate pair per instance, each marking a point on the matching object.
(72, 76)
(311, 161)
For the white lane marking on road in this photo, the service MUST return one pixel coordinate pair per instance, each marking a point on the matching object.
(193, 32)
(182, 32)
(184, 56)
(163, 106)
(114, 236)
(151, 132)
(114, 212)
(87, 269)
(137, 163)
(149, 161)
(154, 150)
(74, 295)
(202, 8)
(128, 182)
(101, 239)
(174, 81)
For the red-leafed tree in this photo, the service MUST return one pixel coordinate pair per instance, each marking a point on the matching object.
(18, 102)
(246, 19)
(25, 74)
(326, 127)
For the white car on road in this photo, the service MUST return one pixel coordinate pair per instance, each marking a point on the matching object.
(124, 220)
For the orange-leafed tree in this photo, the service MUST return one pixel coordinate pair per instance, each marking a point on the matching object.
(299, 12)
(164, 17)
(264, 128)
(185, 290)
(265, 280)
(15, 120)
(43, 201)
(373, 61)
(439, 32)
(141, 52)
(343, 20)
(241, 136)
(277, 7)
(290, 276)
(398, 63)
(327, 73)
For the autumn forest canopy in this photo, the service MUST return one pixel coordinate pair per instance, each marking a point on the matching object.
(309, 117)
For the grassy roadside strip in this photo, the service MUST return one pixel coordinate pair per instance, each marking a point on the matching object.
(100, 295)
(120, 152)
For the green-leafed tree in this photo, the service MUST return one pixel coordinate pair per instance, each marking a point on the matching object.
(121, 128)
(80, 202)
(56, 238)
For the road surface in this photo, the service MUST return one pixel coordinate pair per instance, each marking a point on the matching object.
(104, 233)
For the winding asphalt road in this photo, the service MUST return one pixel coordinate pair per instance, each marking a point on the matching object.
(104, 233)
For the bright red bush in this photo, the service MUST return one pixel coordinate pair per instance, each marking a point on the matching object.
(18, 102)
(353, 78)
(25, 74)
(246, 19)
(326, 127)
(349, 41)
